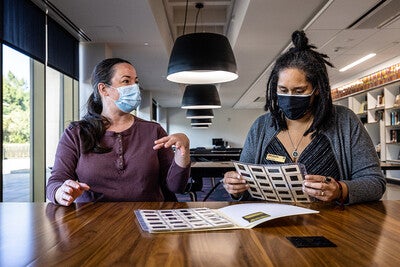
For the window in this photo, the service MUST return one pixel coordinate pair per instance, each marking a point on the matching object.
(61, 108)
(53, 115)
(35, 111)
(16, 126)
(154, 109)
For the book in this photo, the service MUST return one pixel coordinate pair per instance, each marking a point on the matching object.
(237, 216)
(275, 182)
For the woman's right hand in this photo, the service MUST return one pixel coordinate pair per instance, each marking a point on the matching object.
(69, 191)
(234, 183)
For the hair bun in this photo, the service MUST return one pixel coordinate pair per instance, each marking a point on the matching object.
(300, 40)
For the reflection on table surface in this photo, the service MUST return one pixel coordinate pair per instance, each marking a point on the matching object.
(108, 234)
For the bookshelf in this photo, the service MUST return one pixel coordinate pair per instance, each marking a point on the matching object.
(380, 113)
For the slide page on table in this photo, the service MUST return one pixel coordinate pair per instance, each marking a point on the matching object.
(251, 214)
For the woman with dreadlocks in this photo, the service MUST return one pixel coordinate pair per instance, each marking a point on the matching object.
(303, 126)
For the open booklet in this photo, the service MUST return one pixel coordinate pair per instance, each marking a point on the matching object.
(274, 182)
(238, 216)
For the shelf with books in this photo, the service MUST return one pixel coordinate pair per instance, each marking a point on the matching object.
(392, 125)
(379, 110)
(381, 118)
(380, 78)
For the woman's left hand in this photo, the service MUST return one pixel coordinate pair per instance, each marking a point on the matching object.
(181, 143)
(321, 187)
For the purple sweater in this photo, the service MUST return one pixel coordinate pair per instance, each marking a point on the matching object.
(132, 171)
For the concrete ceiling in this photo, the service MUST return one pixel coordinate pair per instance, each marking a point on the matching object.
(143, 31)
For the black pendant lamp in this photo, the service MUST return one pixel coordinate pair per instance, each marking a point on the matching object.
(199, 114)
(201, 96)
(201, 58)
(200, 122)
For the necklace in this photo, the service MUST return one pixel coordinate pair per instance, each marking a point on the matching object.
(295, 153)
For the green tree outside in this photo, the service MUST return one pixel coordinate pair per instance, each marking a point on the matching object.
(16, 111)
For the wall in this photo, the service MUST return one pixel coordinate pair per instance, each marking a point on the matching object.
(163, 119)
(144, 110)
(230, 124)
(90, 55)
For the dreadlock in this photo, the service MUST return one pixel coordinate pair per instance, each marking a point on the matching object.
(304, 57)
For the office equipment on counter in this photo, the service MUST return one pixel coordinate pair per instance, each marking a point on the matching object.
(215, 154)
(218, 142)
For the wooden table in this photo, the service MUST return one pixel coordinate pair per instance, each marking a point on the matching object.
(389, 166)
(108, 234)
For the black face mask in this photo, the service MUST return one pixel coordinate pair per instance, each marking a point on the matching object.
(294, 106)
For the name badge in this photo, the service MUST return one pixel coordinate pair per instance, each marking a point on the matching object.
(276, 158)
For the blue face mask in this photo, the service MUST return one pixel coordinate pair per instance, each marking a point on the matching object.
(294, 106)
(129, 98)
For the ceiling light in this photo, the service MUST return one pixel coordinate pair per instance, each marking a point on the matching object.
(200, 122)
(200, 126)
(357, 62)
(201, 96)
(201, 58)
(199, 114)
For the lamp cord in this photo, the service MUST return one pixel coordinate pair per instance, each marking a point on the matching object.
(186, 10)
(197, 16)
(199, 6)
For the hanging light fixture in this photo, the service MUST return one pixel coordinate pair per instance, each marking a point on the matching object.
(200, 122)
(200, 96)
(201, 58)
(199, 114)
(200, 126)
